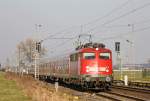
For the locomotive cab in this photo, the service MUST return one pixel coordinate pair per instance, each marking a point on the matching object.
(96, 66)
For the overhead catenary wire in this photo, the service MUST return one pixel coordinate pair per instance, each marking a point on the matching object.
(107, 38)
(58, 33)
(113, 37)
(90, 22)
(66, 51)
(128, 13)
(108, 14)
(128, 25)
(121, 35)
(98, 19)
(142, 22)
(122, 16)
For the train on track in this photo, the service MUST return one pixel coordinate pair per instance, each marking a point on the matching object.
(89, 67)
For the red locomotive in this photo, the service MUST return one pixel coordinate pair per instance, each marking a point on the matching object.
(89, 67)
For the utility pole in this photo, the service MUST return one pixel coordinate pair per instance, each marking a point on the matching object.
(131, 53)
(118, 60)
(37, 52)
(35, 64)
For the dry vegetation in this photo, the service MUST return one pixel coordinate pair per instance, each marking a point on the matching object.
(9, 91)
(38, 91)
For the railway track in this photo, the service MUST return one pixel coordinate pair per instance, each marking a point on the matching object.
(113, 96)
(133, 83)
(104, 96)
(135, 89)
(107, 97)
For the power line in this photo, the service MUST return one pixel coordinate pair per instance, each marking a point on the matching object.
(142, 29)
(98, 19)
(73, 38)
(121, 16)
(142, 22)
(61, 44)
(107, 38)
(65, 52)
(109, 13)
(60, 38)
(115, 26)
(54, 34)
(125, 25)
(121, 35)
(112, 20)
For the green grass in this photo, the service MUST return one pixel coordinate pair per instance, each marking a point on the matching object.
(9, 90)
(132, 76)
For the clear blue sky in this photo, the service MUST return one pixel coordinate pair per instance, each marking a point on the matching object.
(18, 19)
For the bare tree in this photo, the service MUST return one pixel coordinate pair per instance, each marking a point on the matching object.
(26, 49)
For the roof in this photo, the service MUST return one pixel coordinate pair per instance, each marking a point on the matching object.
(94, 49)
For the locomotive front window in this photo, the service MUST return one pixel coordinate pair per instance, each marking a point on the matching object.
(89, 56)
(104, 56)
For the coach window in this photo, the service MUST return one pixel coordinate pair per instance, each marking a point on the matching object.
(71, 57)
(74, 57)
(88, 56)
(104, 56)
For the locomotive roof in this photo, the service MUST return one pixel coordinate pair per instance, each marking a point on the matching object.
(94, 49)
(91, 47)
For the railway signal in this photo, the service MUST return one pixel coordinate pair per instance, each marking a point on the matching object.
(38, 46)
(119, 62)
(117, 46)
(36, 57)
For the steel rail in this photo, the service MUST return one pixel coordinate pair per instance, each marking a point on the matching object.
(141, 90)
(126, 96)
(108, 97)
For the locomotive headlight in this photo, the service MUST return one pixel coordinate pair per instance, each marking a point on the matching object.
(107, 70)
(108, 79)
(87, 68)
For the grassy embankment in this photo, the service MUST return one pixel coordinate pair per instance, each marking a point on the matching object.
(9, 91)
(37, 90)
